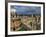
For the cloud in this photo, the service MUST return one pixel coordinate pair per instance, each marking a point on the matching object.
(27, 9)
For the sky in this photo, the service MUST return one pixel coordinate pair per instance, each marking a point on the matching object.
(26, 9)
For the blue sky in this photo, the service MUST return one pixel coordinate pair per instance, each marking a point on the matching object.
(26, 9)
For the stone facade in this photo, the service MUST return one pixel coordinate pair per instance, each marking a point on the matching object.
(32, 22)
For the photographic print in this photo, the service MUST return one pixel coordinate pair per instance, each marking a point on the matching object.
(25, 18)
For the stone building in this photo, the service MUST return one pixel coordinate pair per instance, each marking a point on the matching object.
(31, 21)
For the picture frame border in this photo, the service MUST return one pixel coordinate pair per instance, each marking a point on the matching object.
(6, 18)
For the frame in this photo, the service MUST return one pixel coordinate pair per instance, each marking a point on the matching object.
(38, 9)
